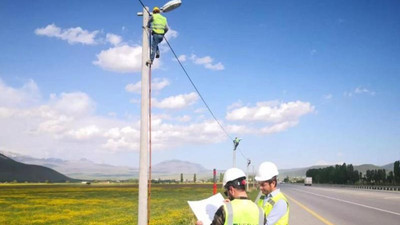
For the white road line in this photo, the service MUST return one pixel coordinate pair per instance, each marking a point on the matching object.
(353, 203)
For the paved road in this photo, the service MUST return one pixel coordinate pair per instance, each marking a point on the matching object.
(341, 206)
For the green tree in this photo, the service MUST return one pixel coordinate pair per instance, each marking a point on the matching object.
(194, 178)
(390, 178)
(181, 177)
(286, 180)
(396, 171)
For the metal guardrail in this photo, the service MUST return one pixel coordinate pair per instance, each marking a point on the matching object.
(367, 187)
(384, 188)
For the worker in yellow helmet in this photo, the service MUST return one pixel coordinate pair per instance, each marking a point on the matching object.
(239, 209)
(159, 27)
(271, 199)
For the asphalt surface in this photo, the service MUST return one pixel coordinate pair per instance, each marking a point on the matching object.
(341, 206)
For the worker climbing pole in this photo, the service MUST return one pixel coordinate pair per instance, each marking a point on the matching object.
(235, 145)
(159, 27)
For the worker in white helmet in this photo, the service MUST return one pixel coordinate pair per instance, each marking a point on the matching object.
(239, 210)
(271, 199)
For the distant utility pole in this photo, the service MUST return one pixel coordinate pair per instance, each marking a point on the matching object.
(247, 171)
(235, 145)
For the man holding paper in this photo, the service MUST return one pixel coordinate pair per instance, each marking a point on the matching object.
(239, 210)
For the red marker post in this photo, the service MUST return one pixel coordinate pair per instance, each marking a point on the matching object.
(215, 182)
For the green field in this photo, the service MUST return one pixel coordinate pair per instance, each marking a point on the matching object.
(97, 204)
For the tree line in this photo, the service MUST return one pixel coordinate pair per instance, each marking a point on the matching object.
(346, 174)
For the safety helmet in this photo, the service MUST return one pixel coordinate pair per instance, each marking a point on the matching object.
(156, 10)
(232, 174)
(266, 171)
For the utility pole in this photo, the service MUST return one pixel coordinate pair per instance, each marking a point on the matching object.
(235, 145)
(144, 125)
(247, 171)
(143, 212)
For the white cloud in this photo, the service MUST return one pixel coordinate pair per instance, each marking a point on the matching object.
(134, 88)
(217, 66)
(157, 84)
(114, 39)
(65, 126)
(207, 61)
(182, 58)
(71, 35)
(271, 112)
(278, 127)
(84, 133)
(184, 118)
(26, 95)
(359, 91)
(276, 116)
(171, 34)
(122, 59)
(176, 102)
(235, 105)
(76, 103)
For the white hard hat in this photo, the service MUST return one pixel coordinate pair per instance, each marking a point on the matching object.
(232, 174)
(266, 171)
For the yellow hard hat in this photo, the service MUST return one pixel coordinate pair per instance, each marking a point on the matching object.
(156, 10)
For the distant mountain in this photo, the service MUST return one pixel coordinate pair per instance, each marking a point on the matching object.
(86, 169)
(177, 166)
(11, 170)
(80, 169)
(388, 167)
(296, 172)
(172, 169)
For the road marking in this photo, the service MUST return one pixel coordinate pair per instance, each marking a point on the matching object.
(325, 221)
(353, 203)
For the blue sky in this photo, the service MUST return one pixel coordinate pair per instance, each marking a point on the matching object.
(301, 82)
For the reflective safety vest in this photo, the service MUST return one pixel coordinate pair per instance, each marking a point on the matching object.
(159, 23)
(284, 220)
(243, 212)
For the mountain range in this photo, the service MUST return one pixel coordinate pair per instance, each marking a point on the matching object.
(11, 170)
(171, 169)
(86, 169)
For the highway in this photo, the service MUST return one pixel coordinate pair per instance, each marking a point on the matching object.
(341, 206)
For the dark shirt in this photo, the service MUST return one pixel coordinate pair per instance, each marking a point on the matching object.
(219, 217)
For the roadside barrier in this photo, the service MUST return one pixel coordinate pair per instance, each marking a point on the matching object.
(369, 187)
(384, 188)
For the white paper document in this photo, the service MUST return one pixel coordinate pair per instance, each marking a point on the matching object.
(206, 208)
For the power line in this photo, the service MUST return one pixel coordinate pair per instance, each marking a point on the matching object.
(187, 75)
(198, 92)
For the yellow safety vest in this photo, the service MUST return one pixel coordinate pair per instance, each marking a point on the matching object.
(284, 220)
(159, 23)
(243, 212)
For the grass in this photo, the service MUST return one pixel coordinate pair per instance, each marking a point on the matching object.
(97, 204)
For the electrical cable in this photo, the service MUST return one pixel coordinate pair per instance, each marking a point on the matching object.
(194, 86)
(198, 92)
